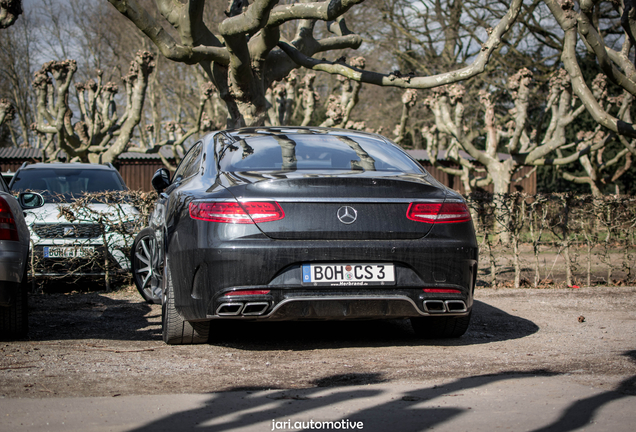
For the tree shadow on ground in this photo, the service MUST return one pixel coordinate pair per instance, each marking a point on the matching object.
(489, 324)
(90, 315)
(582, 412)
(243, 409)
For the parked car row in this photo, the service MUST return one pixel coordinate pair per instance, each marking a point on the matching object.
(268, 224)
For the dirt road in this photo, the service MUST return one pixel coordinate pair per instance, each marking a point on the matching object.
(99, 344)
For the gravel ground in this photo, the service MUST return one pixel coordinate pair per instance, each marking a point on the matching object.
(109, 344)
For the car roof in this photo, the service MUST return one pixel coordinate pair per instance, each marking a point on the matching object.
(252, 132)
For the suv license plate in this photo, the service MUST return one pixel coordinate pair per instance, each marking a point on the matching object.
(348, 274)
(68, 252)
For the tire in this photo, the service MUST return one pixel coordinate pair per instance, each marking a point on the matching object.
(14, 319)
(176, 330)
(440, 327)
(146, 266)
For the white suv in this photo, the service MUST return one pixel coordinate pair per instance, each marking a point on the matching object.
(68, 241)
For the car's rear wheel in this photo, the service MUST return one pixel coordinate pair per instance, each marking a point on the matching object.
(14, 319)
(176, 330)
(440, 327)
(146, 266)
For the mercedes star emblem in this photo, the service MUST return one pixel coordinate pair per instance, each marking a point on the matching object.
(347, 215)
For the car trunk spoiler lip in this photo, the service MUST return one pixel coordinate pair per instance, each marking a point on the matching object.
(333, 200)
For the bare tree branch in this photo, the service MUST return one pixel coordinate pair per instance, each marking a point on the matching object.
(396, 79)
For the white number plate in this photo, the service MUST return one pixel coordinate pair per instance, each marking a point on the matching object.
(348, 274)
(68, 252)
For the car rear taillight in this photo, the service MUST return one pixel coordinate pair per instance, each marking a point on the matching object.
(442, 290)
(438, 212)
(246, 292)
(8, 227)
(239, 213)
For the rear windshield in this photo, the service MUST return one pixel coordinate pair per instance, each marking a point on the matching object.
(66, 182)
(312, 152)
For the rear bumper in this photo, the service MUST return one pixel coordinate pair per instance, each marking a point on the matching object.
(337, 307)
(203, 277)
(12, 261)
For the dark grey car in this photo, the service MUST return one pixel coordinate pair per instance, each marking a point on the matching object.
(306, 224)
(14, 258)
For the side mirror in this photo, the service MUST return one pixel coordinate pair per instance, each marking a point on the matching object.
(161, 179)
(30, 200)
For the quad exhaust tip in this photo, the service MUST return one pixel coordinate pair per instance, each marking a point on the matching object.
(255, 308)
(434, 306)
(229, 309)
(245, 309)
(441, 306)
(456, 306)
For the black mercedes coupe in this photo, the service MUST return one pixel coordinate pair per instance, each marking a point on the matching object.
(290, 223)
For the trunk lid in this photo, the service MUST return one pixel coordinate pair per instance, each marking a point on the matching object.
(366, 206)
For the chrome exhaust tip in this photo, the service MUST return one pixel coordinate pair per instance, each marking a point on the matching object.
(255, 308)
(434, 306)
(456, 306)
(229, 309)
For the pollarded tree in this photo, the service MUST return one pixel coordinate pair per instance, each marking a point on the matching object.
(281, 96)
(101, 134)
(249, 54)
(446, 104)
(522, 142)
(524, 145)
(409, 99)
(293, 100)
(602, 168)
(308, 98)
(179, 132)
(612, 54)
(339, 108)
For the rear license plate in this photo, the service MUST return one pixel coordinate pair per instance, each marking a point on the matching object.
(348, 274)
(68, 252)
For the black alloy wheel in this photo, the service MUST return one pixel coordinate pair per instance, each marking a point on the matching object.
(147, 266)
